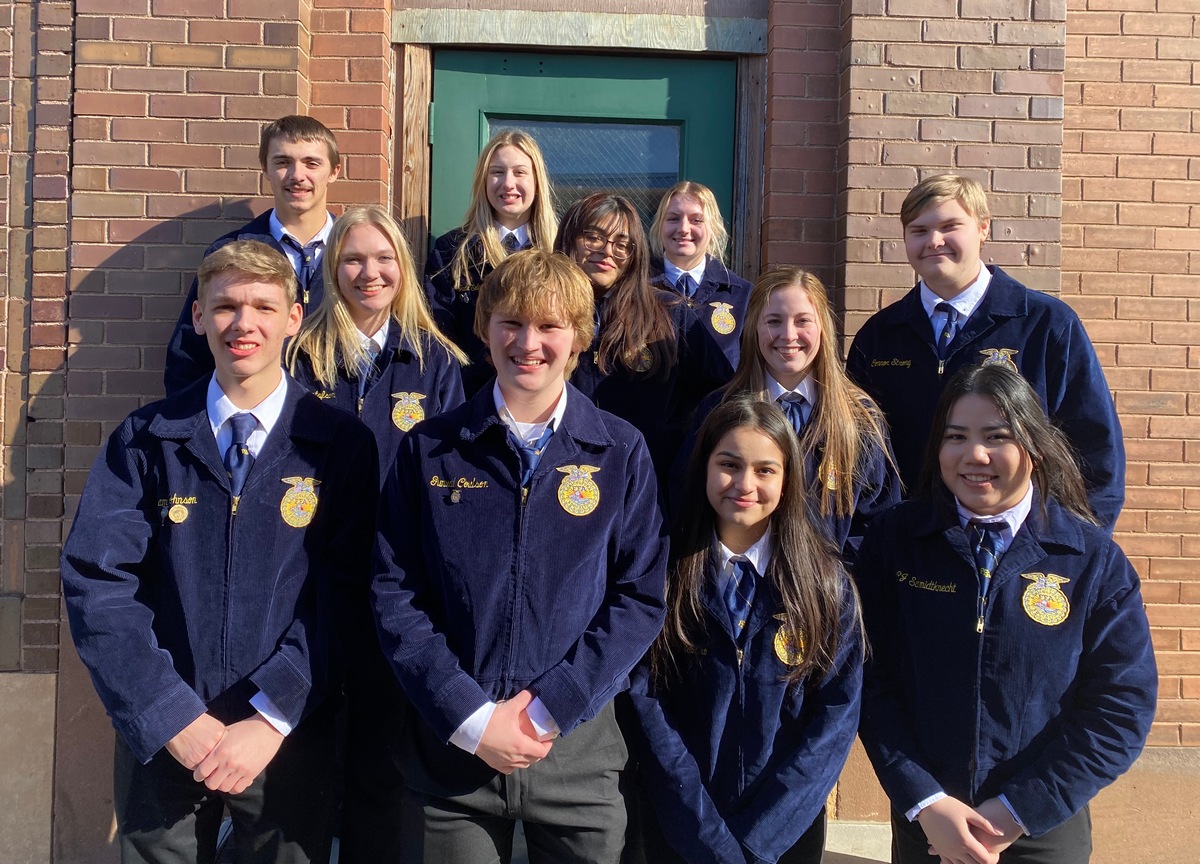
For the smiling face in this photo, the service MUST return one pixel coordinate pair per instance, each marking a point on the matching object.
(246, 322)
(745, 481)
(943, 244)
(980, 460)
(368, 277)
(789, 335)
(299, 173)
(600, 265)
(530, 355)
(685, 234)
(511, 187)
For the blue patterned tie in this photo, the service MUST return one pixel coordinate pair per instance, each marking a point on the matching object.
(510, 243)
(794, 409)
(531, 454)
(308, 263)
(983, 536)
(739, 596)
(948, 329)
(237, 458)
(686, 285)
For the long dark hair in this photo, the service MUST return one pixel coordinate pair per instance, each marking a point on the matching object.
(1055, 467)
(635, 321)
(805, 570)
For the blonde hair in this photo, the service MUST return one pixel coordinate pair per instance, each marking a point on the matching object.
(718, 237)
(329, 333)
(253, 259)
(940, 188)
(539, 285)
(479, 222)
(845, 419)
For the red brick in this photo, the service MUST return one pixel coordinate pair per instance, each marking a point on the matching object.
(189, 8)
(144, 180)
(221, 182)
(224, 32)
(187, 56)
(258, 107)
(377, 21)
(110, 104)
(132, 129)
(191, 105)
(153, 30)
(141, 80)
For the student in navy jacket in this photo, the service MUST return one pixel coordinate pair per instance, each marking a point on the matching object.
(995, 319)
(202, 610)
(372, 349)
(748, 708)
(1011, 674)
(790, 357)
(512, 208)
(299, 159)
(688, 239)
(651, 361)
(519, 577)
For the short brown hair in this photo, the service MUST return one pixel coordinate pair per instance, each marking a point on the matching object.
(940, 188)
(538, 284)
(253, 259)
(298, 127)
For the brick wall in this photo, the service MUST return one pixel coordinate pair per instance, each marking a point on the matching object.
(1131, 267)
(800, 190)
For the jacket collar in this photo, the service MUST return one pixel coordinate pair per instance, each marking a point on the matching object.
(582, 422)
(1005, 298)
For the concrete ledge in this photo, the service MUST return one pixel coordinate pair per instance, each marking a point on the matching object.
(26, 766)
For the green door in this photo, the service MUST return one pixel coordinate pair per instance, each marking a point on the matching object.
(633, 125)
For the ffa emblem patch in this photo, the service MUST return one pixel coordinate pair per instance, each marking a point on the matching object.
(177, 513)
(722, 318)
(999, 357)
(407, 412)
(299, 502)
(789, 648)
(645, 359)
(1043, 601)
(578, 493)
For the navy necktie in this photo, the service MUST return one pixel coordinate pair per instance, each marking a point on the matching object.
(531, 454)
(686, 285)
(983, 536)
(366, 366)
(308, 263)
(739, 596)
(794, 409)
(948, 329)
(237, 457)
(511, 244)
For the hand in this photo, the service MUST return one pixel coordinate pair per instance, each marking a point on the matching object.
(510, 742)
(247, 748)
(197, 739)
(949, 826)
(994, 811)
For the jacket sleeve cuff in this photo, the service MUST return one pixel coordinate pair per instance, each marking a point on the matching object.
(150, 731)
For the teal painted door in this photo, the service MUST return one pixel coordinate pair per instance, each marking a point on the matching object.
(633, 125)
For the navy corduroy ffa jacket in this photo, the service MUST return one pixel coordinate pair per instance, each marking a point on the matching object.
(720, 303)
(737, 761)
(894, 358)
(188, 358)
(399, 392)
(483, 588)
(453, 306)
(177, 604)
(1049, 704)
(661, 403)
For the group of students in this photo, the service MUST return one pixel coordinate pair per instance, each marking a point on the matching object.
(617, 549)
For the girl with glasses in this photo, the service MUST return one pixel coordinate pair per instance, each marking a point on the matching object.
(650, 361)
(688, 239)
(512, 208)
(748, 701)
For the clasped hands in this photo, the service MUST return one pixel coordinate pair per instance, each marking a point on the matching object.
(226, 758)
(510, 740)
(960, 834)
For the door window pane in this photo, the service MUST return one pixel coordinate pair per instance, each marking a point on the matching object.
(637, 160)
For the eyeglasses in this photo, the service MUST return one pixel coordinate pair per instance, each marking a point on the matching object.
(594, 241)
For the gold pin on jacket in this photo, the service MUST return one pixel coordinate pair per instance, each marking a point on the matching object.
(578, 493)
(722, 318)
(299, 503)
(407, 412)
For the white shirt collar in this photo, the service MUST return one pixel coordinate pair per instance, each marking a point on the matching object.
(278, 231)
(1013, 518)
(521, 232)
(759, 555)
(967, 300)
(266, 412)
(806, 388)
(673, 273)
(380, 335)
(528, 432)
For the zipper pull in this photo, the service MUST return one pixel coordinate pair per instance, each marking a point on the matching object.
(524, 495)
(360, 404)
(941, 367)
(236, 499)
(306, 299)
(979, 625)
(740, 654)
